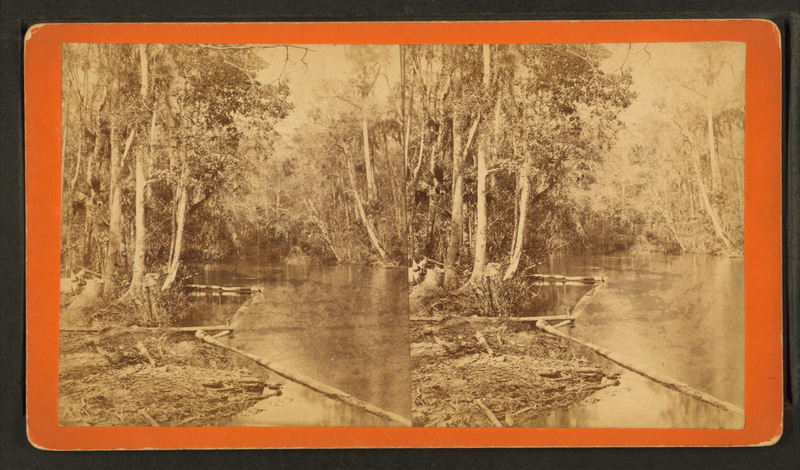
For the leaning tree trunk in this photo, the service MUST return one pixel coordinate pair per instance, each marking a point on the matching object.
(712, 214)
(716, 178)
(180, 216)
(373, 238)
(398, 203)
(372, 192)
(519, 235)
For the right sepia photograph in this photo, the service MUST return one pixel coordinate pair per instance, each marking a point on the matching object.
(576, 234)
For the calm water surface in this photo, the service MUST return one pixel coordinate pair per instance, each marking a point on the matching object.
(348, 327)
(344, 326)
(680, 315)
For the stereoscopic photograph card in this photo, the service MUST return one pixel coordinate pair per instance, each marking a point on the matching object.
(341, 234)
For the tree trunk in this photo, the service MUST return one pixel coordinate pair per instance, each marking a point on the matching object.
(115, 210)
(180, 216)
(115, 214)
(139, 243)
(519, 235)
(397, 200)
(659, 203)
(407, 118)
(64, 133)
(480, 229)
(457, 216)
(716, 178)
(89, 213)
(433, 192)
(372, 192)
(323, 228)
(712, 214)
(373, 238)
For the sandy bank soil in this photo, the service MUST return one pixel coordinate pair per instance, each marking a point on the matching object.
(106, 380)
(527, 373)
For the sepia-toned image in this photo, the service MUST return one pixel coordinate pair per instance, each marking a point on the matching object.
(576, 234)
(233, 236)
(540, 235)
(345, 235)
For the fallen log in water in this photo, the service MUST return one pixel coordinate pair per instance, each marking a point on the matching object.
(544, 318)
(559, 283)
(558, 277)
(651, 374)
(563, 323)
(581, 305)
(175, 329)
(240, 290)
(202, 293)
(237, 317)
(308, 382)
(490, 319)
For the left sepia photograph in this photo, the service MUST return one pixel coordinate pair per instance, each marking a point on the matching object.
(233, 236)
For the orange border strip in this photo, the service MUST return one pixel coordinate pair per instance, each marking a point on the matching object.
(763, 305)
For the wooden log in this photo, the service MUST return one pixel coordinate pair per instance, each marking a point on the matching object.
(175, 329)
(581, 305)
(563, 323)
(223, 288)
(488, 413)
(492, 319)
(312, 384)
(426, 319)
(559, 283)
(237, 317)
(543, 318)
(651, 374)
(558, 277)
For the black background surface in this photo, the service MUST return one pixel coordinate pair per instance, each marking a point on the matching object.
(18, 15)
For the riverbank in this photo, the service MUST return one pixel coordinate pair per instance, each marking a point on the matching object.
(113, 374)
(135, 377)
(469, 373)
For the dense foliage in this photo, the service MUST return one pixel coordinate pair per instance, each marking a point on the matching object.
(471, 156)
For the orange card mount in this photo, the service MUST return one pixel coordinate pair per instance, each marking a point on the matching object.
(762, 325)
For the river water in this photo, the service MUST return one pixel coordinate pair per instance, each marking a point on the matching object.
(347, 327)
(344, 326)
(682, 316)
